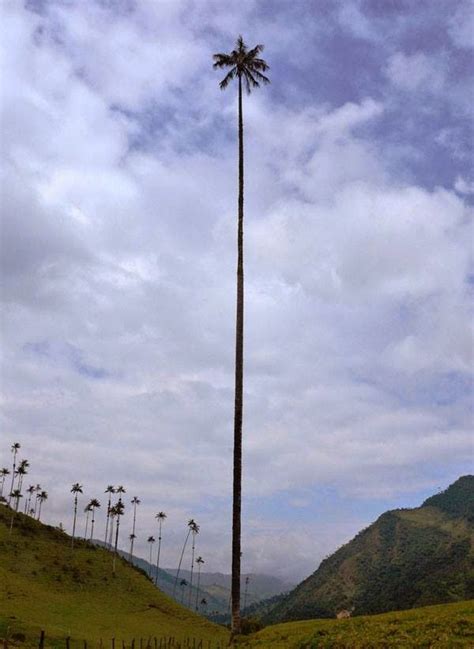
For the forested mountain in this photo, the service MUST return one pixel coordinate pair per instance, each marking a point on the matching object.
(407, 558)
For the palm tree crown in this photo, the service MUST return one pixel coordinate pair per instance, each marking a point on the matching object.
(243, 63)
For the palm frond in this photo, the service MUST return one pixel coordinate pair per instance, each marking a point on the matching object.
(228, 78)
(221, 60)
(261, 77)
(254, 51)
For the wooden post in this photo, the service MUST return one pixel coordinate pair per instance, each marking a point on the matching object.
(68, 640)
(113, 643)
(85, 644)
(41, 640)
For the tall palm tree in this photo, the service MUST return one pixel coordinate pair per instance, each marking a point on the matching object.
(160, 517)
(246, 65)
(150, 540)
(16, 495)
(199, 562)
(76, 489)
(21, 472)
(87, 511)
(3, 473)
(37, 490)
(120, 490)
(94, 504)
(194, 532)
(110, 490)
(14, 449)
(135, 502)
(30, 491)
(203, 603)
(191, 525)
(42, 496)
(118, 512)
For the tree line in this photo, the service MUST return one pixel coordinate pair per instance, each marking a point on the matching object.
(11, 492)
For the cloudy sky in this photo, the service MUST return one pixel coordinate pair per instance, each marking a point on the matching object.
(118, 194)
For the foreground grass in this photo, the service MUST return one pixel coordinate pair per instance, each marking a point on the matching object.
(44, 584)
(435, 627)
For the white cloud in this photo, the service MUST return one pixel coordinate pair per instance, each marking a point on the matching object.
(118, 270)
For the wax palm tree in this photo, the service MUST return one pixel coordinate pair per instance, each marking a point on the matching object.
(37, 490)
(21, 472)
(135, 502)
(194, 532)
(191, 525)
(42, 496)
(87, 511)
(160, 517)
(76, 489)
(183, 583)
(113, 516)
(94, 504)
(14, 449)
(150, 540)
(3, 473)
(120, 490)
(110, 490)
(118, 512)
(16, 495)
(203, 602)
(30, 491)
(246, 65)
(199, 562)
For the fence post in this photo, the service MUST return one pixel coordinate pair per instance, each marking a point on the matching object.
(41, 640)
(85, 644)
(68, 639)
(113, 643)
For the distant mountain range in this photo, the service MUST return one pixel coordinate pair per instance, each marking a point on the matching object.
(214, 587)
(407, 558)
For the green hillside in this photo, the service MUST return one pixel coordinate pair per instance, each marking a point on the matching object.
(44, 584)
(434, 627)
(407, 558)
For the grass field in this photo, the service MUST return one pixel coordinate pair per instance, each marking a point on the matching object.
(443, 626)
(44, 584)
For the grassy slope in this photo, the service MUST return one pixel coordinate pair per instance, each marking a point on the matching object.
(46, 585)
(436, 627)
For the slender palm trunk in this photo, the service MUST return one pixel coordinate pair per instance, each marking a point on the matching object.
(92, 523)
(133, 531)
(1, 489)
(108, 518)
(87, 525)
(74, 521)
(158, 556)
(117, 527)
(198, 585)
(111, 531)
(238, 406)
(39, 510)
(151, 549)
(180, 561)
(192, 571)
(13, 478)
(36, 505)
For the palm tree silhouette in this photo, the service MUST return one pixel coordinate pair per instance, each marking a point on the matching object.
(135, 502)
(246, 65)
(16, 495)
(87, 511)
(194, 532)
(203, 602)
(42, 496)
(37, 489)
(150, 540)
(110, 490)
(94, 504)
(76, 489)
(14, 449)
(247, 579)
(191, 525)
(4, 472)
(160, 517)
(29, 491)
(118, 512)
(199, 562)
